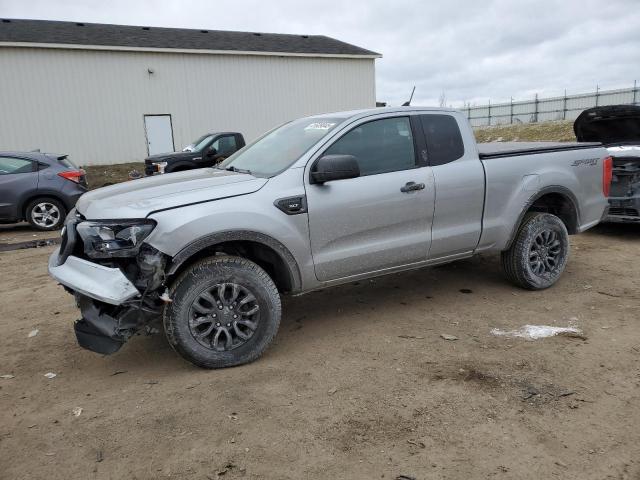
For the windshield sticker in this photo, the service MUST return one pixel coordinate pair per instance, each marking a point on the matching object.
(319, 126)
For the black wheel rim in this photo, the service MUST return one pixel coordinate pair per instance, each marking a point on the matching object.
(545, 254)
(224, 316)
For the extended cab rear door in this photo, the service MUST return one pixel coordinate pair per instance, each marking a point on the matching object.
(373, 222)
(459, 184)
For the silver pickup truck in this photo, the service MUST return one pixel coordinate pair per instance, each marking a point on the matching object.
(317, 202)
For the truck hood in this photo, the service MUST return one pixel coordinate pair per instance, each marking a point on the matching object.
(609, 125)
(161, 157)
(138, 198)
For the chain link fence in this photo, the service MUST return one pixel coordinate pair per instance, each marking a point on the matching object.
(566, 107)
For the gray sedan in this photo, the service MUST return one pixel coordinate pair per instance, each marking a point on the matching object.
(39, 188)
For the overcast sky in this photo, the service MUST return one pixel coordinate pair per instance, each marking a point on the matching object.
(470, 50)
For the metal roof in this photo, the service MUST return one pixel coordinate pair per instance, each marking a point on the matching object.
(75, 34)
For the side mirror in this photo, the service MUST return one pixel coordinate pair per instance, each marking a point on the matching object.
(334, 167)
(212, 152)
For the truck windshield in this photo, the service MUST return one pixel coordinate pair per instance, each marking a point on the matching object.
(199, 144)
(275, 151)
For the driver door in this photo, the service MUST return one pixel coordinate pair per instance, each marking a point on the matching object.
(371, 223)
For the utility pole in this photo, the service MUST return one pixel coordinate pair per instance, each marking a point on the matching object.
(489, 114)
(564, 105)
(511, 112)
(535, 113)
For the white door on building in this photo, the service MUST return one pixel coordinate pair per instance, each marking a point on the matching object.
(159, 134)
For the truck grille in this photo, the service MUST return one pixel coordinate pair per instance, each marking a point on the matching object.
(623, 212)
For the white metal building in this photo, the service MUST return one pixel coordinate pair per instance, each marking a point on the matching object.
(112, 94)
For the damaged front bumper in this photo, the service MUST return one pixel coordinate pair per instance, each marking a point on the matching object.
(113, 307)
(104, 328)
(108, 285)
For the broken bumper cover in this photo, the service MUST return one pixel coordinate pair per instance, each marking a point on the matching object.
(108, 285)
(104, 328)
(624, 210)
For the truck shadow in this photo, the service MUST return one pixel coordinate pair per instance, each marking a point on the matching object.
(464, 281)
(627, 230)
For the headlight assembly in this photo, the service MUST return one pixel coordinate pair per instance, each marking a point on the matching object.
(113, 238)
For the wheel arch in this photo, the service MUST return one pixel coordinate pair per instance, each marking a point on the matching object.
(267, 252)
(24, 203)
(557, 200)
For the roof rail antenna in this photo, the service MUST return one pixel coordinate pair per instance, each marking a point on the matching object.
(408, 103)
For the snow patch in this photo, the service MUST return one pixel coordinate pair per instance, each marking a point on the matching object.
(535, 332)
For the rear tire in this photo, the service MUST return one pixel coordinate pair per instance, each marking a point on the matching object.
(539, 252)
(225, 312)
(45, 214)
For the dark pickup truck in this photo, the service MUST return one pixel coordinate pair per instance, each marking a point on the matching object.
(206, 151)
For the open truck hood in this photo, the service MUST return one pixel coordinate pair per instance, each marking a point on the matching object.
(138, 198)
(612, 124)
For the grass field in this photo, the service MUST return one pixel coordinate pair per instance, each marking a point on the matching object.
(102, 175)
(528, 132)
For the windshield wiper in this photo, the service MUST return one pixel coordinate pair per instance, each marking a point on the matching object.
(231, 168)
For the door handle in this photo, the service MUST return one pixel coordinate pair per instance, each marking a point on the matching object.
(411, 187)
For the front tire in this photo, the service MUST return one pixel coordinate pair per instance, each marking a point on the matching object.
(45, 213)
(225, 312)
(539, 252)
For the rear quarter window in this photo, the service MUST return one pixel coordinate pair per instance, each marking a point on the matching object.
(444, 141)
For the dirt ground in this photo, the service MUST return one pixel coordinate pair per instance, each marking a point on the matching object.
(102, 175)
(358, 385)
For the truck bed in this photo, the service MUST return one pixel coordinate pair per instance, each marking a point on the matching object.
(511, 183)
(512, 149)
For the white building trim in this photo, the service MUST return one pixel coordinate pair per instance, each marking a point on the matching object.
(177, 50)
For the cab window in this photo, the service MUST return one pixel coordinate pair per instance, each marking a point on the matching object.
(379, 146)
(225, 145)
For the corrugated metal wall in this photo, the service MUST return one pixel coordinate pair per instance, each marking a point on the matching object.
(544, 109)
(90, 104)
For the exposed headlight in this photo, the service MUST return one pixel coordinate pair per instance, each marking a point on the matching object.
(114, 239)
(160, 166)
